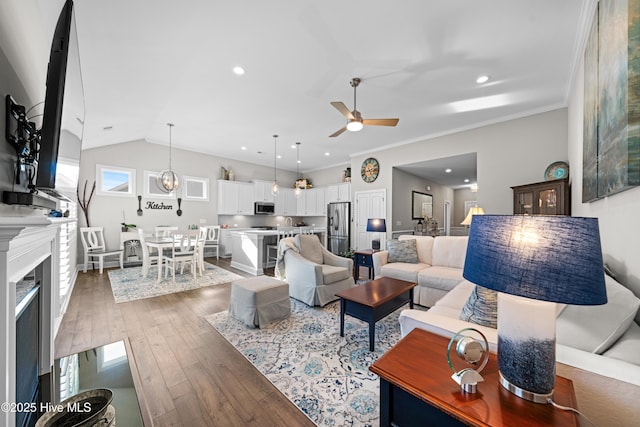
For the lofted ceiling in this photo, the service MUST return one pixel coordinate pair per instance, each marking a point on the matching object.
(149, 62)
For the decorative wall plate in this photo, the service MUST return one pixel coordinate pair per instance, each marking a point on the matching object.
(370, 169)
(556, 170)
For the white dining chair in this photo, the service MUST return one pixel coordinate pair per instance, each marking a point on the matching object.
(272, 249)
(212, 239)
(94, 247)
(183, 251)
(165, 231)
(148, 258)
(203, 234)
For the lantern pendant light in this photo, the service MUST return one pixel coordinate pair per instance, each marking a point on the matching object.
(297, 192)
(168, 181)
(275, 188)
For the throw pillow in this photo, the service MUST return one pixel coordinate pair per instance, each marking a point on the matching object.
(595, 328)
(310, 247)
(402, 251)
(481, 308)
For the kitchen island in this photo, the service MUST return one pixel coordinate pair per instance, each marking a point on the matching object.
(248, 248)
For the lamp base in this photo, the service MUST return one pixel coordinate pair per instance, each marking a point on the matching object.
(375, 244)
(525, 394)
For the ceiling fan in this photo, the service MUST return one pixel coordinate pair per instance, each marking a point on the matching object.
(355, 120)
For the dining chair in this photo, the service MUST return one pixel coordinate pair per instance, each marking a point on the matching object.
(212, 239)
(203, 234)
(148, 258)
(164, 231)
(94, 247)
(183, 251)
(272, 249)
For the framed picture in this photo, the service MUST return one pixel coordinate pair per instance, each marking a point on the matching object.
(611, 129)
(195, 188)
(151, 189)
(115, 181)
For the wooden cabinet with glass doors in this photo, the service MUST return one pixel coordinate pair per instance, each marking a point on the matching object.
(542, 198)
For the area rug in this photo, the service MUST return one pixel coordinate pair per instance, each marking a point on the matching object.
(128, 284)
(325, 375)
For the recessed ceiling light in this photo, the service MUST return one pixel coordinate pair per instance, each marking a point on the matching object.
(327, 154)
(293, 146)
(279, 156)
(482, 79)
(298, 161)
(238, 70)
(243, 148)
(466, 180)
(447, 170)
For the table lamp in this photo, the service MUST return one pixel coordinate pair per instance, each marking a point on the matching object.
(534, 261)
(377, 225)
(473, 211)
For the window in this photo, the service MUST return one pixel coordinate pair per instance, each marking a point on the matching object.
(115, 181)
(195, 188)
(151, 189)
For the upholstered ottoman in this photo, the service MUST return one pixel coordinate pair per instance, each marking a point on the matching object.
(258, 301)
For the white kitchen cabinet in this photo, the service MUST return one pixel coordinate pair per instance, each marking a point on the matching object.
(339, 193)
(263, 191)
(286, 202)
(235, 198)
(312, 202)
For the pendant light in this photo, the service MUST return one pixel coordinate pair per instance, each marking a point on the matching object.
(168, 180)
(297, 192)
(275, 189)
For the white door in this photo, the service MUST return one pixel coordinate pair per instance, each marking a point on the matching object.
(369, 204)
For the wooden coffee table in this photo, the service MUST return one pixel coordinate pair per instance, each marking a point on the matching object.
(373, 301)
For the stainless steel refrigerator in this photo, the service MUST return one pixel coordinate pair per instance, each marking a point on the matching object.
(338, 227)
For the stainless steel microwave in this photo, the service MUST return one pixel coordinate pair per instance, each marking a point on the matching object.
(264, 208)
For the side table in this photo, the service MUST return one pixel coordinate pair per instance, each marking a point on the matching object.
(416, 389)
(363, 258)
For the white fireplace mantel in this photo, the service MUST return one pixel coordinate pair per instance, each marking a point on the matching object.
(26, 243)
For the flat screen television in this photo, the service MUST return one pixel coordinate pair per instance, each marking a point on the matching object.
(63, 118)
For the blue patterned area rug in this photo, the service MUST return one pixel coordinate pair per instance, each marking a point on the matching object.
(128, 284)
(325, 375)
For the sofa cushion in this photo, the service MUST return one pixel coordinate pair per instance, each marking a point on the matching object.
(310, 247)
(402, 251)
(449, 251)
(626, 348)
(402, 271)
(481, 307)
(332, 274)
(457, 297)
(444, 278)
(595, 328)
(424, 247)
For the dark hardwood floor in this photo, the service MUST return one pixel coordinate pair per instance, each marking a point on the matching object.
(189, 374)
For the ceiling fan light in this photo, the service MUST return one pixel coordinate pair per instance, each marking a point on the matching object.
(354, 125)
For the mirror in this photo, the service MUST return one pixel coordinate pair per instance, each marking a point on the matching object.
(421, 205)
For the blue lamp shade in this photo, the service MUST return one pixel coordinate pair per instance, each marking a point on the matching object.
(547, 258)
(376, 224)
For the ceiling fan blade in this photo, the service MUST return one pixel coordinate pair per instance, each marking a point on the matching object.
(380, 122)
(343, 109)
(338, 132)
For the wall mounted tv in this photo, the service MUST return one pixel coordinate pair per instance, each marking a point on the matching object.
(63, 118)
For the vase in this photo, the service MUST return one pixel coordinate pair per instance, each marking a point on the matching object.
(232, 175)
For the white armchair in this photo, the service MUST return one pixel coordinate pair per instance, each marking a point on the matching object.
(314, 274)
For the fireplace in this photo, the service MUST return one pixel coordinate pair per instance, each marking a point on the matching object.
(29, 266)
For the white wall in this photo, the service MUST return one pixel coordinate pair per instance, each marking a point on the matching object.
(617, 214)
(107, 211)
(510, 153)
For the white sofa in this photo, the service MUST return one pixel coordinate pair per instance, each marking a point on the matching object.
(602, 339)
(438, 270)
